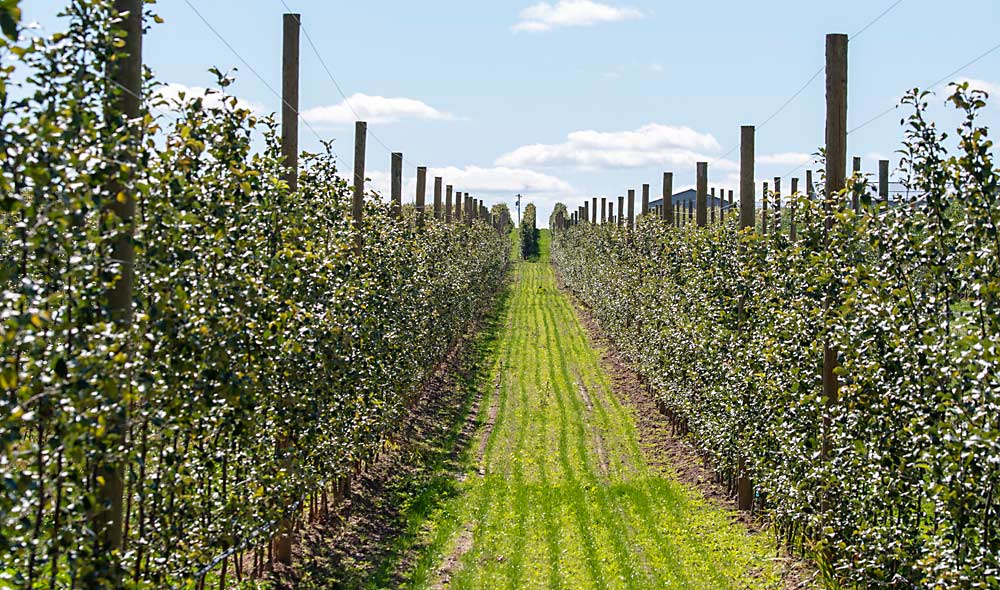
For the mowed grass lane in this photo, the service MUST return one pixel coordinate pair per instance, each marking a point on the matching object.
(561, 496)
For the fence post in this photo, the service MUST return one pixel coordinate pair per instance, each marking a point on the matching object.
(421, 194)
(701, 198)
(604, 210)
(396, 182)
(748, 217)
(586, 210)
(836, 166)
(621, 208)
(593, 211)
(438, 182)
(447, 203)
(667, 199)
(883, 181)
(644, 205)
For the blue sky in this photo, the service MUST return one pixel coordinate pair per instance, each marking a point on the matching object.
(568, 99)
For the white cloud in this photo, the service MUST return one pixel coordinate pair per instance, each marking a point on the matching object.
(373, 109)
(211, 98)
(544, 16)
(649, 145)
(656, 68)
(992, 88)
(785, 158)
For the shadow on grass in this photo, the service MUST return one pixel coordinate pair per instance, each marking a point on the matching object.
(374, 539)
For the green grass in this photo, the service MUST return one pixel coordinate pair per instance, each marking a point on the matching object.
(566, 498)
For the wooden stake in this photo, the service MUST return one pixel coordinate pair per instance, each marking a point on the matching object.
(777, 205)
(794, 203)
(836, 166)
(421, 194)
(360, 139)
(668, 195)
(748, 217)
(701, 215)
(763, 212)
(447, 204)
(712, 207)
(126, 105)
(396, 181)
(631, 205)
(438, 182)
(883, 181)
(290, 99)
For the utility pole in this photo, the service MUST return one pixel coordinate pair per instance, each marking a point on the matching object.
(519, 210)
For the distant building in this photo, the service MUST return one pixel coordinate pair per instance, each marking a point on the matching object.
(689, 196)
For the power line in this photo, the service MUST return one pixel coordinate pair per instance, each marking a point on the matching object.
(929, 86)
(875, 20)
(333, 79)
(254, 72)
(812, 78)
